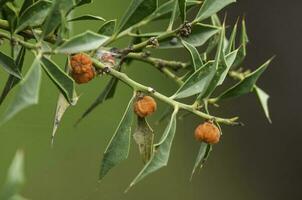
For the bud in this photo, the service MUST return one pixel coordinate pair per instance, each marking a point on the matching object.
(208, 133)
(82, 70)
(145, 106)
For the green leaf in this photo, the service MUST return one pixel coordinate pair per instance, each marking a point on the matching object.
(28, 93)
(10, 13)
(9, 65)
(12, 80)
(210, 7)
(54, 19)
(219, 64)
(15, 177)
(2, 2)
(34, 15)
(182, 9)
(202, 156)
(224, 70)
(25, 5)
(164, 11)
(118, 148)
(197, 62)
(83, 2)
(144, 138)
(106, 94)
(108, 28)
(87, 17)
(83, 42)
(62, 106)
(201, 81)
(137, 11)
(198, 82)
(64, 83)
(201, 33)
(243, 42)
(161, 154)
(263, 98)
(232, 41)
(246, 85)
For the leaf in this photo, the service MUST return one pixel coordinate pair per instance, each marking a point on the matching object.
(201, 81)
(62, 106)
(9, 65)
(87, 17)
(197, 62)
(12, 80)
(108, 28)
(202, 156)
(182, 9)
(15, 177)
(229, 61)
(34, 15)
(201, 33)
(161, 152)
(198, 82)
(83, 2)
(164, 11)
(10, 13)
(107, 93)
(54, 19)
(118, 148)
(219, 64)
(243, 42)
(83, 42)
(210, 7)
(64, 83)
(263, 98)
(25, 5)
(246, 85)
(232, 40)
(28, 93)
(144, 137)
(136, 12)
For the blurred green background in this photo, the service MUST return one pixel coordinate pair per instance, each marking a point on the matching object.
(258, 161)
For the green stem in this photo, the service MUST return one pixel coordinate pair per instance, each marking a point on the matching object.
(20, 41)
(139, 87)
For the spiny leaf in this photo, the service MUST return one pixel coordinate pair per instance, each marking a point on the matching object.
(25, 5)
(198, 82)
(137, 11)
(15, 177)
(108, 28)
(62, 106)
(246, 85)
(202, 156)
(229, 61)
(182, 9)
(87, 17)
(59, 78)
(83, 2)
(201, 33)
(83, 42)
(12, 80)
(107, 93)
(28, 93)
(54, 19)
(118, 148)
(197, 62)
(164, 11)
(263, 98)
(34, 15)
(243, 42)
(210, 7)
(144, 137)
(9, 65)
(161, 151)
(232, 41)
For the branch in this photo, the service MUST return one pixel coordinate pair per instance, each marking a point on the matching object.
(139, 87)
